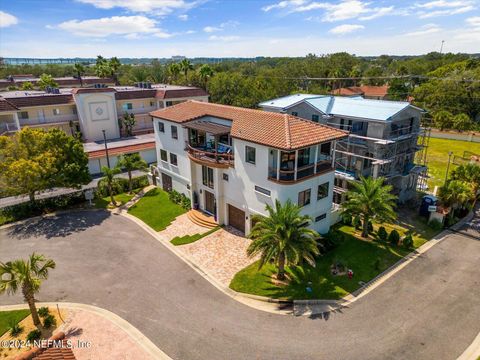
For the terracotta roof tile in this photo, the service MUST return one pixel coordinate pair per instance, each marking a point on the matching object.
(44, 99)
(121, 150)
(180, 93)
(277, 130)
(365, 90)
(6, 105)
(135, 94)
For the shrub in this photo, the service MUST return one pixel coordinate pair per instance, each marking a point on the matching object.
(370, 227)
(34, 335)
(120, 185)
(394, 237)
(43, 311)
(382, 233)
(408, 241)
(49, 321)
(347, 219)
(357, 222)
(15, 328)
(179, 199)
(435, 224)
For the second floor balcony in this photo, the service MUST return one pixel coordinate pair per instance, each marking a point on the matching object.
(209, 144)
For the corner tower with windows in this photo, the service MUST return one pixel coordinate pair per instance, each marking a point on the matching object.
(233, 161)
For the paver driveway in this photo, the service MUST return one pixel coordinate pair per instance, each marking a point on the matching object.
(429, 310)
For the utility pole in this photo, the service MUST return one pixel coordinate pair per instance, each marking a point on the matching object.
(441, 46)
(106, 148)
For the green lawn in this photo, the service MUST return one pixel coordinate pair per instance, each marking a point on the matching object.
(367, 259)
(437, 157)
(103, 203)
(7, 317)
(156, 209)
(187, 239)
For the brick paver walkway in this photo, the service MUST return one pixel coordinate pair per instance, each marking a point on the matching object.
(181, 226)
(221, 254)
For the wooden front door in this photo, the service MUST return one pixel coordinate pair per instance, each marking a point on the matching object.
(236, 218)
(209, 202)
(166, 182)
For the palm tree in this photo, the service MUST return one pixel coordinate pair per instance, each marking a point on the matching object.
(371, 200)
(46, 80)
(186, 66)
(455, 194)
(114, 65)
(283, 237)
(26, 275)
(131, 162)
(468, 173)
(80, 71)
(174, 70)
(205, 73)
(109, 175)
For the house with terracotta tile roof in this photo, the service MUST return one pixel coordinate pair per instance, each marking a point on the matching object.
(62, 82)
(365, 91)
(231, 161)
(385, 138)
(92, 110)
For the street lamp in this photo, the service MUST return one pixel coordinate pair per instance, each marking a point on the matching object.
(106, 148)
(450, 153)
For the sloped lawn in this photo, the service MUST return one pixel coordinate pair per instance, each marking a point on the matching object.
(367, 259)
(8, 317)
(156, 209)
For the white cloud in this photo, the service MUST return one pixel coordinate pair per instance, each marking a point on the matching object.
(210, 29)
(470, 33)
(424, 30)
(444, 8)
(223, 38)
(7, 19)
(342, 10)
(473, 21)
(129, 26)
(183, 17)
(157, 7)
(345, 29)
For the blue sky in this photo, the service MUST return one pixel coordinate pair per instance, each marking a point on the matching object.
(224, 28)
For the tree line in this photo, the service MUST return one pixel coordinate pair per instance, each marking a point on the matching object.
(446, 85)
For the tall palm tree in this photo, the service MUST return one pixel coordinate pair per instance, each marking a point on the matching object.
(80, 71)
(469, 173)
(205, 72)
(455, 194)
(131, 162)
(114, 65)
(109, 175)
(370, 199)
(283, 237)
(174, 70)
(186, 66)
(26, 275)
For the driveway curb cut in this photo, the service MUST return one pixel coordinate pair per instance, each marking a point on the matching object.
(135, 334)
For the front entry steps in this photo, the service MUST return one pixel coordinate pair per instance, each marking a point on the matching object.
(202, 219)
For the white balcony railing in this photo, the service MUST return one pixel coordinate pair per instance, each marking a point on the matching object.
(144, 110)
(6, 127)
(49, 120)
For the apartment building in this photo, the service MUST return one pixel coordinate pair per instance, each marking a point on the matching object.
(383, 138)
(62, 82)
(231, 161)
(93, 111)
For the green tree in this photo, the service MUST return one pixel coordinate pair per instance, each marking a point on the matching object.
(398, 89)
(27, 85)
(114, 66)
(131, 162)
(443, 120)
(462, 122)
(174, 70)
(283, 237)
(45, 81)
(26, 275)
(186, 66)
(205, 72)
(79, 72)
(109, 176)
(129, 123)
(455, 194)
(370, 199)
(470, 174)
(34, 160)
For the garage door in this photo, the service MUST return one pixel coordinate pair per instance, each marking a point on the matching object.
(236, 218)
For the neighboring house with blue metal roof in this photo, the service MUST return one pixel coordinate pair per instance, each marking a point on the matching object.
(383, 137)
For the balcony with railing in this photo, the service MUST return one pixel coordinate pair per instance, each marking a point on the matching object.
(44, 120)
(209, 144)
(6, 127)
(293, 166)
(136, 111)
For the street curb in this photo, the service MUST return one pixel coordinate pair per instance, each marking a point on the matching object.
(146, 344)
(473, 351)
